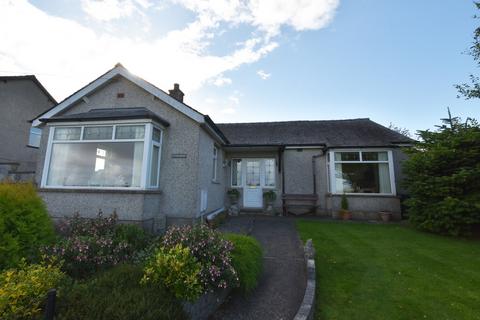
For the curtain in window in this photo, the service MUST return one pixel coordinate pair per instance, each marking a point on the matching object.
(384, 178)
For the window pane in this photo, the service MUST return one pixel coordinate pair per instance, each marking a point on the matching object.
(270, 172)
(236, 172)
(70, 133)
(362, 178)
(97, 133)
(253, 173)
(102, 164)
(347, 156)
(130, 132)
(154, 169)
(156, 135)
(214, 165)
(374, 156)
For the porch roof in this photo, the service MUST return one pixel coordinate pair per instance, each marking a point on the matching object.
(329, 133)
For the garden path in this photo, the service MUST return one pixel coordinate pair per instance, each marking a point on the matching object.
(282, 285)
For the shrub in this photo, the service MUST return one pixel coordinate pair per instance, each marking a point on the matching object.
(175, 269)
(116, 294)
(24, 224)
(247, 260)
(90, 245)
(443, 178)
(23, 291)
(134, 235)
(269, 196)
(211, 251)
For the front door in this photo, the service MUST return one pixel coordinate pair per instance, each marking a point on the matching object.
(252, 192)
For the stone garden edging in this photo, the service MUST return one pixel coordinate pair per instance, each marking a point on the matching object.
(206, 305)
(306, 310)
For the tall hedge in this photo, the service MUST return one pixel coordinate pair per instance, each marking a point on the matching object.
(24, 223)
(443, 178)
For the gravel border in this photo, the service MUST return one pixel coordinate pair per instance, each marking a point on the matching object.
(307, 308)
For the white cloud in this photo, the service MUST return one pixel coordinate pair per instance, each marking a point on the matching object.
(107, 10)
(262, 74)
(221, 81)
(66, 54)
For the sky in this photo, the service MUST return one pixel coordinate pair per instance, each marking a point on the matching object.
(258, 60)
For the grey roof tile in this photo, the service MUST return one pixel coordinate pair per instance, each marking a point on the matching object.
(331, 133)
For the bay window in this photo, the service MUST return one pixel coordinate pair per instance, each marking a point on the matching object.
(361, 172)
(103, 156)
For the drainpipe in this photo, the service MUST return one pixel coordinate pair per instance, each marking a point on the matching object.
(282, 168)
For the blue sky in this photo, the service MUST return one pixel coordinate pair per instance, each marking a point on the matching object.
(391, 61)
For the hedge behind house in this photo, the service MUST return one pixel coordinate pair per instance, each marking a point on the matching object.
(24, 224)
(443, 178)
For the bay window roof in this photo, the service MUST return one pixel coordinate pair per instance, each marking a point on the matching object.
(109, 114)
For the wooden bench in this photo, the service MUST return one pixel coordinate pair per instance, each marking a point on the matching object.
(299, 204)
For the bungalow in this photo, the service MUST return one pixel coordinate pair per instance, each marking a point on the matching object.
(121, 144)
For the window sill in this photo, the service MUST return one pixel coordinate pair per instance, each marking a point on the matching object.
(93, 190)
(379, 195)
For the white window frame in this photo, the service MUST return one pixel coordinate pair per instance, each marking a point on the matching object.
(159, 145)
(239, 183)
(147, 151)
(331, 170)
(215, 163)
(243, 168)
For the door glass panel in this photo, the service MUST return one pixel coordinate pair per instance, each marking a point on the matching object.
(253, 173)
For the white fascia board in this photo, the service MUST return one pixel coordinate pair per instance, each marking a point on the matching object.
(198, 117)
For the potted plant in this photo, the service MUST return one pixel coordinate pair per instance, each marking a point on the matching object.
(386, 216)
(269, 197)
(344, 212)
(233, 195)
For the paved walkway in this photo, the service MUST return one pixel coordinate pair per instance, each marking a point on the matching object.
(282, 285)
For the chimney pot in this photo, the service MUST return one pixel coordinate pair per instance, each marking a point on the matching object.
(176, 93)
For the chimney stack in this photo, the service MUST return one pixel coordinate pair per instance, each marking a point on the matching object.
(176, 93)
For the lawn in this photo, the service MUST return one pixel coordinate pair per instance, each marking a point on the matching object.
(367, 271)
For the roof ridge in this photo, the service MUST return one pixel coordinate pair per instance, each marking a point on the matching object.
(294, 121)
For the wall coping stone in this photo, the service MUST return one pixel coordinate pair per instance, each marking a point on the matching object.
(307, 308)
(120, 191)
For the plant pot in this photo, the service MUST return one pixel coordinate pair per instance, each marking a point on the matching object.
(346, 215)
(233, 199)
(336, 215)
(386, 216)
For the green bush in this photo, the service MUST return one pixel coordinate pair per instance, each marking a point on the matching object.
(132, 234)
(210, 249)
(175, 269)
(443, 178)
(116, 294)
(247, 260)
(25, 226)
(23, 291)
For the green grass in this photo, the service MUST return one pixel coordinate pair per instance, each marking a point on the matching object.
(247, 259)
(367, 271)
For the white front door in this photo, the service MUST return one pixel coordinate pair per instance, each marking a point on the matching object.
(252, 191)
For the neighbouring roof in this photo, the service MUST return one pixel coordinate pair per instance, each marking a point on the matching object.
(330, 133)
(109, 114)
(31, 78)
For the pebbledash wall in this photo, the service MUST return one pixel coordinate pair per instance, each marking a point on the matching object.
(182, 178)
(298, 175)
